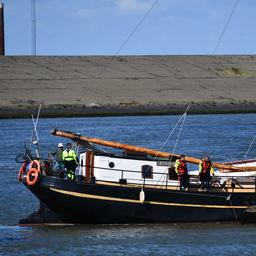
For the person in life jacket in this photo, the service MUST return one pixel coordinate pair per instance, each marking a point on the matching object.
(205, 172)
(70, 161)
(182, 171)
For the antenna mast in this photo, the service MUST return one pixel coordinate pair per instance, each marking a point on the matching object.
(2, 50)
(33, 14)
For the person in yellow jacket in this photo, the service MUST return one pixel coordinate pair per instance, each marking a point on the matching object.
(70, 161)
(205, 171)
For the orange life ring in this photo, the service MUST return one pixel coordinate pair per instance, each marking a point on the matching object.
(32, 176)
(22, 171)
(37, 164)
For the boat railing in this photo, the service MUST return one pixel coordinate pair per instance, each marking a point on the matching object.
(164, 180)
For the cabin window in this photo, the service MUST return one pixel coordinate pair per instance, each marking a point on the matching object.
(147, 171)
(172, 175)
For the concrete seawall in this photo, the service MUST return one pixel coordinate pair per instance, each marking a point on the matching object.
(103, 85)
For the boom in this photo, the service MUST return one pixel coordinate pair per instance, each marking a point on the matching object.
(152, 152)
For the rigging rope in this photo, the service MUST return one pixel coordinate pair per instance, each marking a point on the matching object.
(169, 135)
(34, 130)
(231, 203)
(184, 118)
(121, 47)
(249, 147)
(225, 27)
(167, 138)
(178, 137)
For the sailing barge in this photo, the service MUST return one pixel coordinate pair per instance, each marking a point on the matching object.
(139, 185)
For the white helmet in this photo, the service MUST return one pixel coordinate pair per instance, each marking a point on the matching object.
(60, 145)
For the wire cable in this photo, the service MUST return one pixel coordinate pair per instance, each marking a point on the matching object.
(245, 156)
(182, 124)
(225, 27)
(121, 46)
(183, 121)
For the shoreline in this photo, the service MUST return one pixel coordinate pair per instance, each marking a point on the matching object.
(58, 111)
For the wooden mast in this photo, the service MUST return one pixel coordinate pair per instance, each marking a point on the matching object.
(152, 152)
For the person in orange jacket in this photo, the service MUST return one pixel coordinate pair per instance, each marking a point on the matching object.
(182, 171)
(205, 172)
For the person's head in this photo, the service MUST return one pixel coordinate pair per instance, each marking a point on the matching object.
(206, 159)
(69, 146)
(60, 145)
(182, 157)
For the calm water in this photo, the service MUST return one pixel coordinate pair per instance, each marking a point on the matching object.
(223, 137)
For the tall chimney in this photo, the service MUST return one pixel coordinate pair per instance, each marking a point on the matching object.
(2, 51)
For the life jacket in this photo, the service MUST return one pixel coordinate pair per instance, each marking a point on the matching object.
(69, 155)
(206, 167)
(182, 169)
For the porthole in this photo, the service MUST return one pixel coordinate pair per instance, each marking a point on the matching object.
(111, 165)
